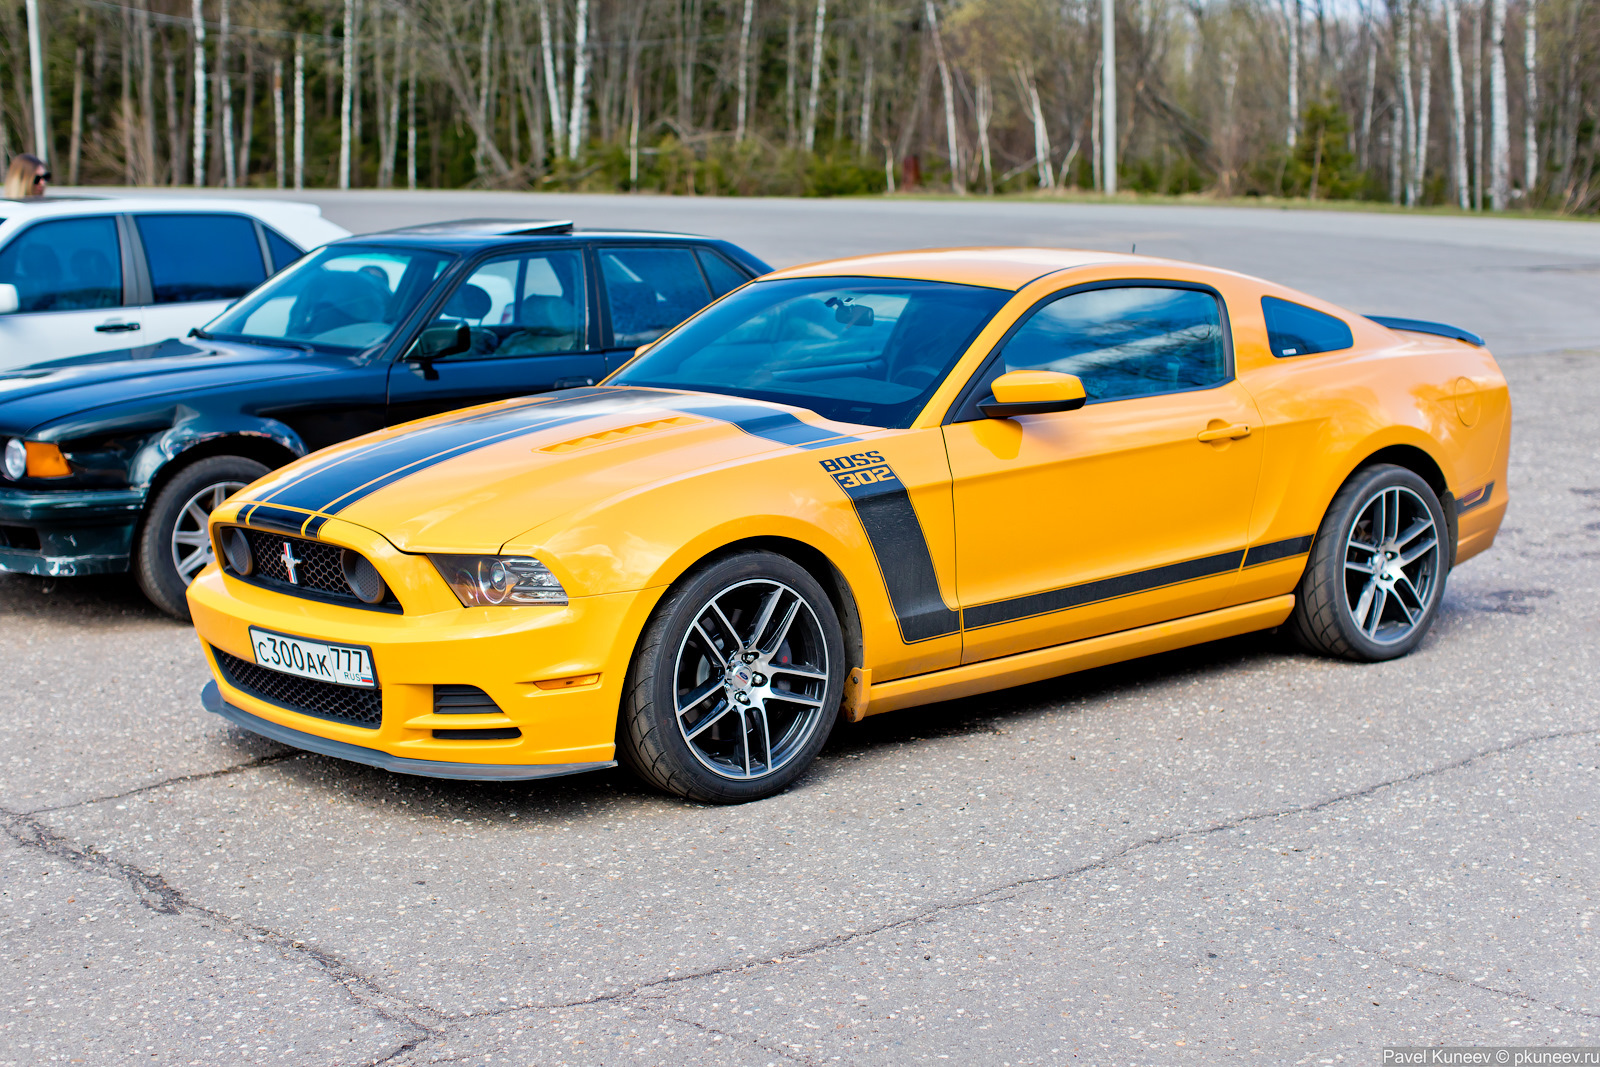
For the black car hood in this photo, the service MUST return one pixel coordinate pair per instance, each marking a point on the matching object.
(44, 392)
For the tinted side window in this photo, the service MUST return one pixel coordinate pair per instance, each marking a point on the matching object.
(723, 276)
(283, 253)
(201, 257)
(1138, 341)
(527, 305)
(66, 265)
(651, 290)
(1296, 330)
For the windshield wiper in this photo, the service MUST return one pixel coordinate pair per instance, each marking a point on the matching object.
(195, 331)
(264, 342)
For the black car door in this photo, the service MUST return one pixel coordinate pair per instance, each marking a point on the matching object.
(650, 288)
(532, 322)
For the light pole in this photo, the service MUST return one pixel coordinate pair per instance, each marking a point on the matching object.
(1108, 94)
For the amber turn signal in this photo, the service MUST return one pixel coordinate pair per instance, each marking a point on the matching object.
(568, 683)
(46, 461)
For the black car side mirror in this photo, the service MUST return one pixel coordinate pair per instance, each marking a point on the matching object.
(437, 342)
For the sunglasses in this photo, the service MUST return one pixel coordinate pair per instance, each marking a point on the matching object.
(41, 178)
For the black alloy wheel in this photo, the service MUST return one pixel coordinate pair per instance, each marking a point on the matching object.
(1377, 570)
(736, 682)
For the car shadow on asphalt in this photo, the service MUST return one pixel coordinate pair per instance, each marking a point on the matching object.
(601, 796)
(96, 599)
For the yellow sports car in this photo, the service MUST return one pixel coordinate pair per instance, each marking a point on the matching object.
(849, 488)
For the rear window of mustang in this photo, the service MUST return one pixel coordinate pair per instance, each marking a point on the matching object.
(869, 351)
(1296, 330)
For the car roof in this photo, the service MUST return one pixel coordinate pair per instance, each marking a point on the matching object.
(466, 235)
(297, 220)
(998, 268)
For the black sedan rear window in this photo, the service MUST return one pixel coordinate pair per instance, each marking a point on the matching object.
(864, 350)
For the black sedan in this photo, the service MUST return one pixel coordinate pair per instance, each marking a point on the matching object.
(114, 461)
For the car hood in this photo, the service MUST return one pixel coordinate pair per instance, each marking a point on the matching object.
(473, 480)
(41, 392)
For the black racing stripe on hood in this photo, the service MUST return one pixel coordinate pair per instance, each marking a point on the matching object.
(268, 517)
(761, 421)
(339, 484)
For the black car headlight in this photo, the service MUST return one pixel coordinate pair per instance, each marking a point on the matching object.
(487, 581)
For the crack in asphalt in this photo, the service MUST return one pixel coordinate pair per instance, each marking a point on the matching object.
(1014, 889)
(154, 892)
(1435, 972)
(182, 779)
(794, 1056)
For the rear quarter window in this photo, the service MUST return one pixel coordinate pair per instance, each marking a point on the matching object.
(1296, 330)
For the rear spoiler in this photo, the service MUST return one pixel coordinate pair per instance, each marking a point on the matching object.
(1439, 329)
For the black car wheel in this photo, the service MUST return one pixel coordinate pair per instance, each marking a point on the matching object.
(1377, 570)
(736, 682)
(175, 542)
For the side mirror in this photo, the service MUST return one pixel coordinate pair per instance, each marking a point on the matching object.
(436, 342)
(9, 300)
(1033, 392)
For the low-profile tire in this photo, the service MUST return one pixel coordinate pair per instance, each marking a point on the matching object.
(174, 542)
(1377, 569)
(736, 682)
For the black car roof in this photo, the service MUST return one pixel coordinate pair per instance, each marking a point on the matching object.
(465, 235)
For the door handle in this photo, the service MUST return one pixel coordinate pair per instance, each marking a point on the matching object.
(116, 327)
(1224, 433)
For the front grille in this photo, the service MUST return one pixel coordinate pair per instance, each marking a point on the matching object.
(341, 703)
(318, 566)
(318, 571)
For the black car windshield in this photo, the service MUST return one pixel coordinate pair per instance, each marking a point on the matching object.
(342, 297)
(863, 350)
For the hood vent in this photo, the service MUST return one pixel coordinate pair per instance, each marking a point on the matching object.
(605, 437)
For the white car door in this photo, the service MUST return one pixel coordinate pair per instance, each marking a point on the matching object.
(69, 275)
(198, 263)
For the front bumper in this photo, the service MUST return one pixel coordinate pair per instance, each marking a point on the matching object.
(69, 531)
(506, 652)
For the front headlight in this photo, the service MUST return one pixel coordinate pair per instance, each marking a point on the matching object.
(16, 459)
(487, 581)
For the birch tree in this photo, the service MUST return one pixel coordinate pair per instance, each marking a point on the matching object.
(1530, 105)
(199, 33)
(1458, 105)
(1499, 111)
(956, 183)
(808, 135)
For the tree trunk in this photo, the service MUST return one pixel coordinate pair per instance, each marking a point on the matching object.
(808, 137)
(75, 150)
(411, 120)
(277, 121)
(552, 81)
(1408, 109)
(580, 81)
(1108, 95)
(742, 115)
(485, 63)
(247, 132)
(790, 58)
(345, 88)
(869, 57)
(1499, 117)
(129, 177)
(299, 111)
(175, 110)
(951, 146)
(198, 130)
(1419, 179)
(1293, 17)
(1458, 105)
(225, 99)
(1371, 90)
(1029, 93)
(984, 105)
(147, 92)
(1477, 109)
(1530, 106)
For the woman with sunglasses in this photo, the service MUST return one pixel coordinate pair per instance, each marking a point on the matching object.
(28, 176)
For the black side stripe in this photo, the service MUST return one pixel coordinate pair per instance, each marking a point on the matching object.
(1276, 550)
(904, 559)
(760, 421)
(1076, 596)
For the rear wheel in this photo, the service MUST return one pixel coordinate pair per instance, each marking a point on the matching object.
(736, 682)
(1377, 570)
(175, 541)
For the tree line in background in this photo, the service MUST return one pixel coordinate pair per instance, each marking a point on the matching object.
(1487, 104)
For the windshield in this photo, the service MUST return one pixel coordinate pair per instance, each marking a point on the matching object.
(345, 296)
(863, 350)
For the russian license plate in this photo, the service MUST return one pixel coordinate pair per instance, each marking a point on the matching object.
(340, 664)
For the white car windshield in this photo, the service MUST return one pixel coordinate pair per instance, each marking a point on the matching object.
(344, 297)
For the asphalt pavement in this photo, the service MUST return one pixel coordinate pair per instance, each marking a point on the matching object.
(1232, 853)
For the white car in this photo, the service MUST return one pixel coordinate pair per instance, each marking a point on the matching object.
(87, 275)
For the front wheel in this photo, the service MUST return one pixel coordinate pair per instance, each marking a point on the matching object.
(1377, 570)
(175, 541)
(736, 682)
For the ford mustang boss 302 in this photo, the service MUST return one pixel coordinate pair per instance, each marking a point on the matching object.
(848, 488)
